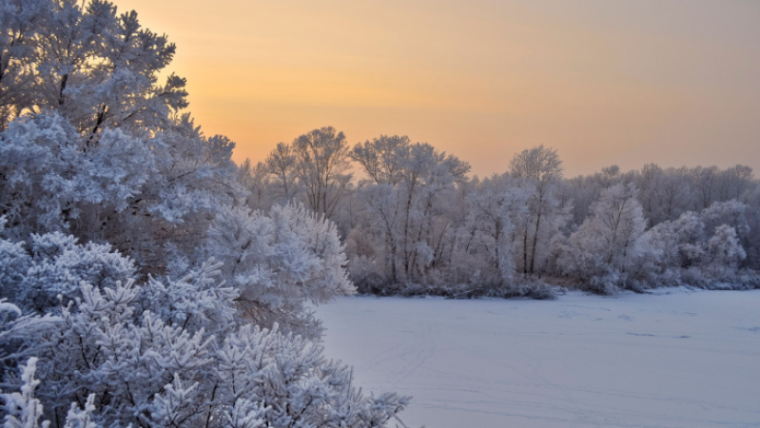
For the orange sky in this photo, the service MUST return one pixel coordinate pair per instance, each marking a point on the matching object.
(675, 82)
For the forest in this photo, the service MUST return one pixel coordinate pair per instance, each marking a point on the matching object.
(415, 222)
(147, 280)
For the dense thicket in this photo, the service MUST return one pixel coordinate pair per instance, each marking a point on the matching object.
(415, 223)
(137, 287)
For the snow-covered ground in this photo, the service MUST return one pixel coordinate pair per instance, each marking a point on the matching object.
(685, 359)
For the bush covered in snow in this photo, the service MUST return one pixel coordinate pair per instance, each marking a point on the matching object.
(168, 352)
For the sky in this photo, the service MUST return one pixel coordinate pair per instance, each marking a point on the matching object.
(625, 82)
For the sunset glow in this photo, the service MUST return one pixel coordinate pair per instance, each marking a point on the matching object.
(624, 82)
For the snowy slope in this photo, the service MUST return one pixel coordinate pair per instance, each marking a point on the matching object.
(677, 360)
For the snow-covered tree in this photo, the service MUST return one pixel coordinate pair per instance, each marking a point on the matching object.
(281, 163)
(609, 248)
(407, 199)
(488, 237)
(21, 22)
(99, 69)
(24, 410)
(279, 261)
(540, 171)
(84, 61)
(382, 158)
(321, 167)
(139, 195)
(724, 249)
(735, 182)
(169, 353)
(314, 167)
(110, 200)
(705, 249)
(100, 149)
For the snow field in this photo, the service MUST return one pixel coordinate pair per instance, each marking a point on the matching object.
(685, 359)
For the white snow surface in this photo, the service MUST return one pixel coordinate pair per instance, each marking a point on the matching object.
(683, 359)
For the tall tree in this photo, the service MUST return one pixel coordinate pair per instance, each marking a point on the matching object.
(495, 206)
(322, 167)
(404, 196)
(21, 22)
(541, 169)
(281, 163)
(382, 158)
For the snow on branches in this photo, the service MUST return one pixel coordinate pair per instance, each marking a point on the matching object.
(279, 261)
(172, 352)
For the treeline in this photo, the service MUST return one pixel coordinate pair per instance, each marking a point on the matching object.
(414, 222)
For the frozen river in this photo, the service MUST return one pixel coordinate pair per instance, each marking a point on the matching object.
(685, 359)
